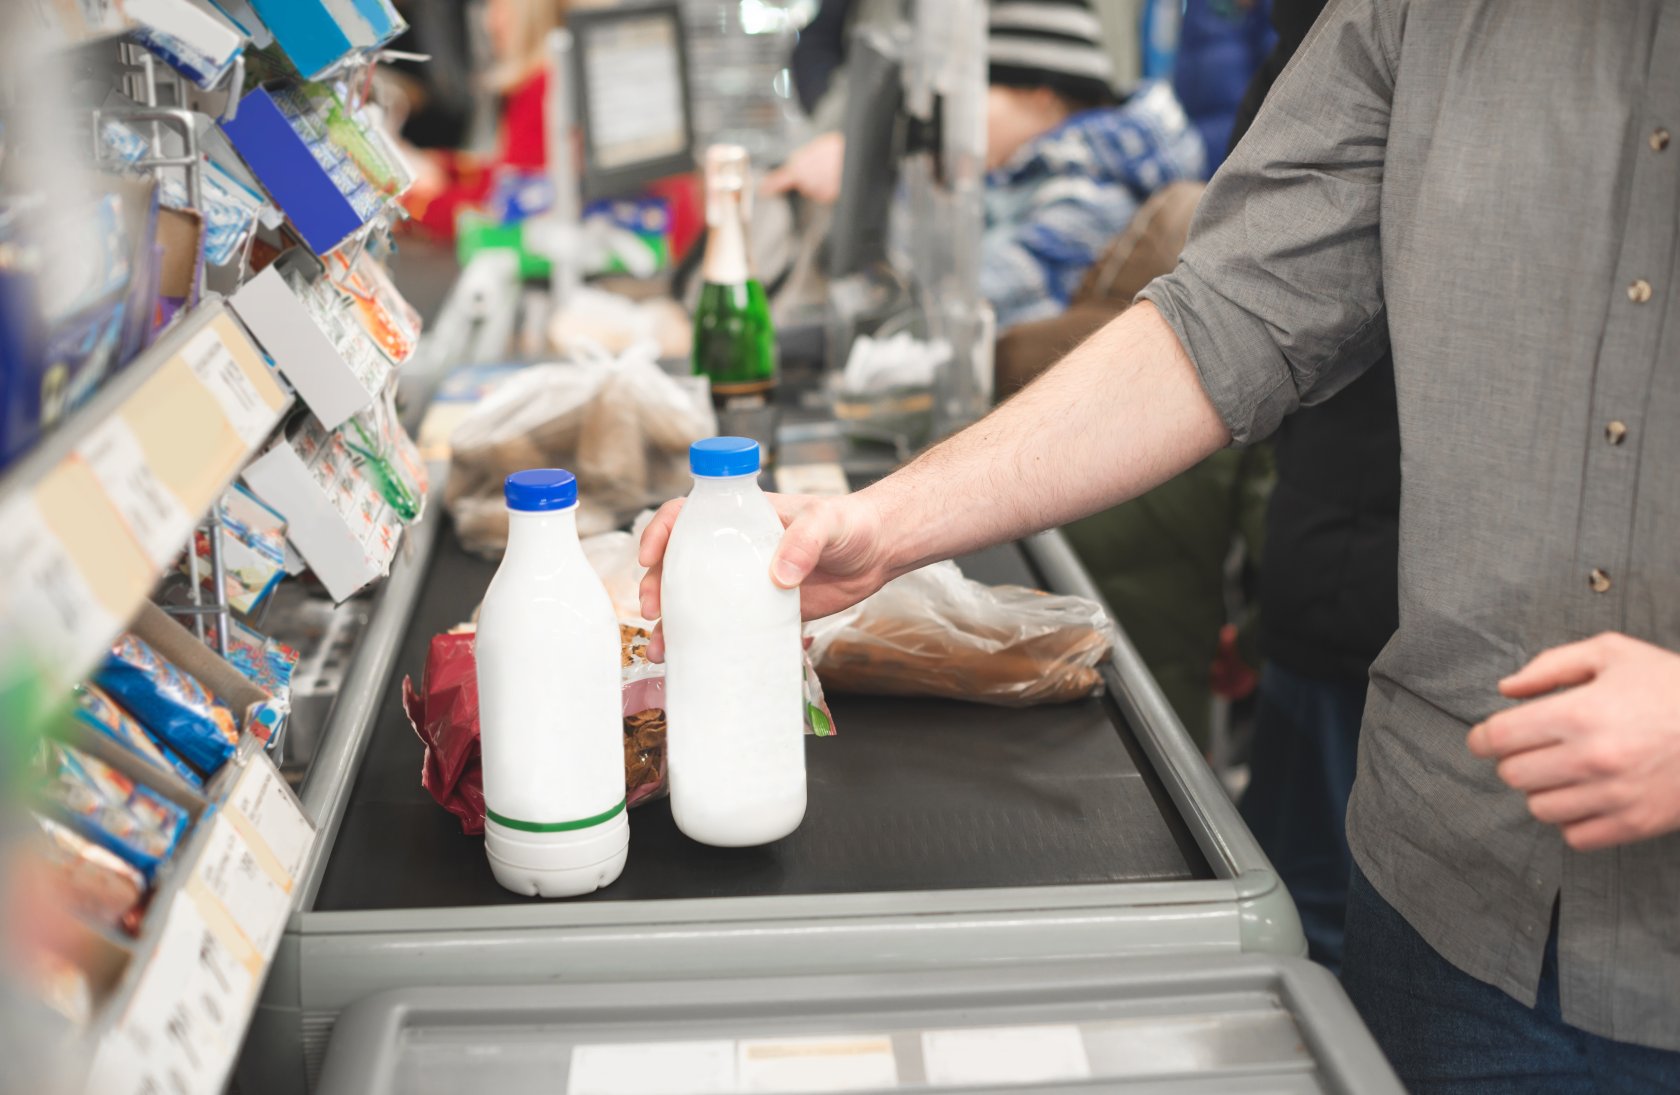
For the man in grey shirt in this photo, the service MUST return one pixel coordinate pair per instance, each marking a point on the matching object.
(1489, 189)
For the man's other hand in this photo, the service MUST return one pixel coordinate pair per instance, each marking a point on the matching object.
(1597, 747)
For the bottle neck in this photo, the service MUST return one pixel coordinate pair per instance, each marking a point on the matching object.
(724, 486)
(540, 534)
(726, 261)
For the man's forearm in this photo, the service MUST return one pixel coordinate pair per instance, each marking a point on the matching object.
(1121, 414)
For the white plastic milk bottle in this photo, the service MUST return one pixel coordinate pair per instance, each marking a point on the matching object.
(734, 684)
(550, 712)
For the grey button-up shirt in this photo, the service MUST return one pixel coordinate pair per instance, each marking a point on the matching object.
(1491, 189)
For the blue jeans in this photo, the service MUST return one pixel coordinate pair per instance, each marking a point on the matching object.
(1306, 740)
(1446, 1032)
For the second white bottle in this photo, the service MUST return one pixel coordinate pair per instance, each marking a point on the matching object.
(550, 707)
(734, 684)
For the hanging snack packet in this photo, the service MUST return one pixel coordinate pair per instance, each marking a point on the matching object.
(96, 709)
(170, 703)
(110, 809)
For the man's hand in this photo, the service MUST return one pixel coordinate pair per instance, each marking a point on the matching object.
(1599, 755)
(833, 552)
(814, 170)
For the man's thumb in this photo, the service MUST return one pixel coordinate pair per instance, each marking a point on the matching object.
(802, 548)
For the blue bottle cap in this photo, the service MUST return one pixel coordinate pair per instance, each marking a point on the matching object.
(539, 489)
(721, 457)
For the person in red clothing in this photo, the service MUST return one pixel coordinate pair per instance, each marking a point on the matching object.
(449, 182)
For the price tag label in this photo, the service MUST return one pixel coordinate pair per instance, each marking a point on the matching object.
(152, 512)
(181, 1029)
(262, 799)
(230, 871)
(246, 411)
(49, 607)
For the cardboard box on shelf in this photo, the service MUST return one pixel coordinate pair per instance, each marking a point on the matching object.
(339, 524)
(333, 386)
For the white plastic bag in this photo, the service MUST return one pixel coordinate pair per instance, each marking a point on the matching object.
(934, 632)
(621, 424)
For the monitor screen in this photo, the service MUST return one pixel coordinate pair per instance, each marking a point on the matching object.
(631, 81)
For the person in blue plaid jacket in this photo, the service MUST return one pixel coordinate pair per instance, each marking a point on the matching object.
(1054, 200)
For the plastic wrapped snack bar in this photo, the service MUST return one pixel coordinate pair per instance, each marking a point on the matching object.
(91, 880)
(110, 809)
(170, 703)
(96, 709)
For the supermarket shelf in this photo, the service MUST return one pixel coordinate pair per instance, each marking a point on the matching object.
(180, 1008)
(94, 513)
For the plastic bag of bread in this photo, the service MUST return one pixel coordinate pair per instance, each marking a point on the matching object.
(934, 632)
(620, 423)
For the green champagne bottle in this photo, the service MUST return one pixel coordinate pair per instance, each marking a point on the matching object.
(734, 340)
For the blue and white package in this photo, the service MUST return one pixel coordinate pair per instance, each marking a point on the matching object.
(110, 809)
(97, 710)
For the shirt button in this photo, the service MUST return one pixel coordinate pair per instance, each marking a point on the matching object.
(1530, 928)
(1659, 139)
(1639, 291)
(1599, 580)
(1616, 432)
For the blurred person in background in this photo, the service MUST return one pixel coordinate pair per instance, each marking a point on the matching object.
(437, 94)
(1221, 46)
(447, 182)
(1067, 166)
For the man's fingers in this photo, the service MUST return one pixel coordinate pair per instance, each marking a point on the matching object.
(1568, 805)
(1600, 832)
(1531, 726)
(656, 644)
(779, 181)
(658, 533)
(651, 591)
(1559, 667)
(1542, 769)
(802, 547)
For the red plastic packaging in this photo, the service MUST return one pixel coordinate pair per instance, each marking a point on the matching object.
(445, 716)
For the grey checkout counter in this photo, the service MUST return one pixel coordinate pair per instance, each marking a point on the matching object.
(958, 864)
(940, 836)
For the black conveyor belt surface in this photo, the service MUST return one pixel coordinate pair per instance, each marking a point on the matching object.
(910, 795)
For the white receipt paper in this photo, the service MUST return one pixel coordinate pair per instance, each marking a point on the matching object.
(1004, 1055)
(653, 1068)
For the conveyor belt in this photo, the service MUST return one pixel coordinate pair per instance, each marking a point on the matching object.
(911, 795)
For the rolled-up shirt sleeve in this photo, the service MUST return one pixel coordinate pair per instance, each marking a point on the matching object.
(1278, 295)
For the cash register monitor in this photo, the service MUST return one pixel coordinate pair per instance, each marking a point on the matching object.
(630, 90)
(874, 144)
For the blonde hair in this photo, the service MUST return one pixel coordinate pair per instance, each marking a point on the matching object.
(532, 22)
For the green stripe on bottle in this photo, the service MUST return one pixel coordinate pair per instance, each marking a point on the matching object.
(555, 826)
